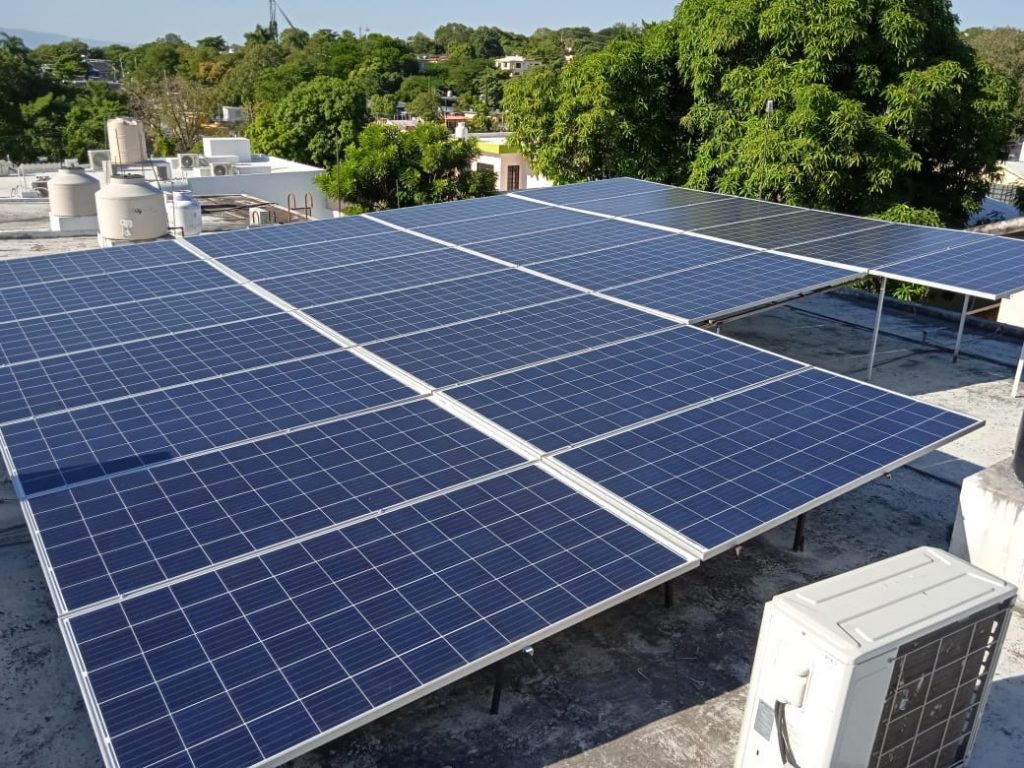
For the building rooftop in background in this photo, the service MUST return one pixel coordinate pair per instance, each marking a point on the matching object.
(516, 65)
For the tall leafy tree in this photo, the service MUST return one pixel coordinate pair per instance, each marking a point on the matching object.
(312, 124)
(853, 106)
(1002, 49)
(85, 126)
(612, 113)
(391, 168)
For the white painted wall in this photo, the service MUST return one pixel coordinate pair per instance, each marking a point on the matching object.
(272, 187)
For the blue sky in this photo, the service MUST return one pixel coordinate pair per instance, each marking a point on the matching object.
(134, 21)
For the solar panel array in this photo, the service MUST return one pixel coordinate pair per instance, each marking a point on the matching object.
(282, 481)
(977, 264)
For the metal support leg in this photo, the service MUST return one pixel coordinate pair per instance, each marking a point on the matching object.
(1020, 370)
(499, 682)
(669, 595)
(798, 537)
(878, 326)
(960, 330)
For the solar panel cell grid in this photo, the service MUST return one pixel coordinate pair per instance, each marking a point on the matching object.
(398, 313)
(261, 265)
(327, 286)
(780, 231)
(571, 194)
(490, 345)
(104, 290)
(721, 472)
(87, 329)
(655, 200)
(594, 235)
(459, 210)
(727, 211)
(560, 403)
(536, 219)
(721, 289)
(21, 272)
(125, 434)
(639, 261)
(988, 265)
(125, 532)
(242, 664)
(877, 248)
(36, 388)
(219, 244)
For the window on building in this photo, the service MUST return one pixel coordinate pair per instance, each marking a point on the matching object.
(513, 178)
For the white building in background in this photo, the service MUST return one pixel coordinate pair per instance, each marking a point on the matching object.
(508, 163)
(516, 65)
(227, 166)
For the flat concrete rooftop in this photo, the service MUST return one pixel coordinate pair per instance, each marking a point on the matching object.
(640, 685)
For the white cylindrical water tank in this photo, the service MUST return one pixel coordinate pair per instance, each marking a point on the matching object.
(184, 214)
(127, 141)
(131, 209)
(72, 192)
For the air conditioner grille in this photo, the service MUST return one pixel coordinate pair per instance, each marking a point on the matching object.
(934, 694)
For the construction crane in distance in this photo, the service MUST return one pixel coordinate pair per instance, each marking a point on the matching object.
(274, 8)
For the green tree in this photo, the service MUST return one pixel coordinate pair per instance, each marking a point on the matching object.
(390, 168)
(424, 104)
(1002, 49)
(20, 82)
(873, 104)
(383, 105)
(85, 125)
(312, 124)
(65, 60)
(613, 113)
(213, 42)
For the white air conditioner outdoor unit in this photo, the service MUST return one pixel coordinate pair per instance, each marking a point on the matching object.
(97, 157)
(190, 160)
(222, 169)
(885, 666)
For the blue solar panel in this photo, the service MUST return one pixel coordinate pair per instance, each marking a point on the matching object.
(105, 290)
(727, 211)
(415, 309)
(330, 285)
(129, 531)
(76, 446)
(460, 210)
(573, 194)
(277, 262)
(536, 219)
(557, 404)
(218, 244)
(640, 261)
(243, 664)
(985, 265)
(595, 235)
(723, 472)
(780, 231)
(655, 200)
(82, 378)
(877, 248)
(726, 288)
(484, 347)
(86, 329)
(66, 266)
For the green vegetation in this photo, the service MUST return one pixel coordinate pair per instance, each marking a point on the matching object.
(391, 168)
(880, 108)
(844, 106)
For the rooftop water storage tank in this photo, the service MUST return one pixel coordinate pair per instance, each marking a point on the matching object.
(72, 192)
(127, 141)
(130, 209)
(184, 214)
